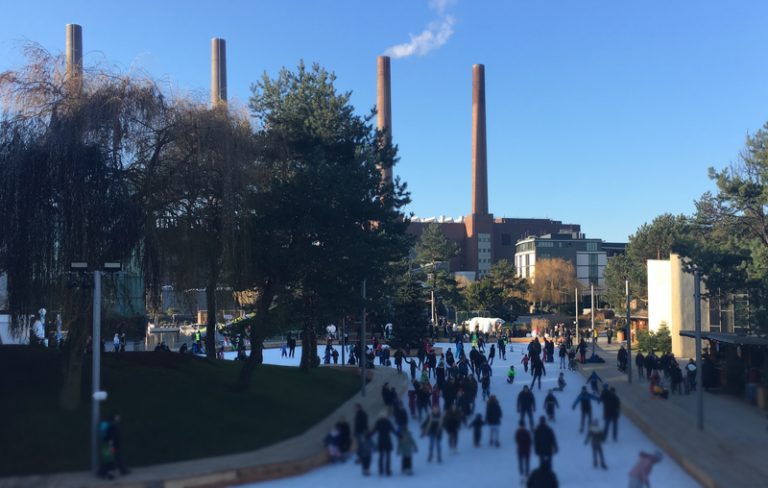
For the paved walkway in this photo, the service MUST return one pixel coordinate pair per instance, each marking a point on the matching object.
(290, 457)
(731, 451)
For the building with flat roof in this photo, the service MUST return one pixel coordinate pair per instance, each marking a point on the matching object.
(589, 257)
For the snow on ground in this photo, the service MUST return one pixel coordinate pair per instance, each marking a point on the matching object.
(489, 466)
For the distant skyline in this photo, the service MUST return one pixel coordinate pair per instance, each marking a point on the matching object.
(604, 114)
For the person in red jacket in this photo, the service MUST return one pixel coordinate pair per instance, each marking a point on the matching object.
(523, 441)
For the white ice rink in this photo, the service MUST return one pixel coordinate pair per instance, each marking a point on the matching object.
(489, 467)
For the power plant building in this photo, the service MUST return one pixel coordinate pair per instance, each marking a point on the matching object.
(482, 238)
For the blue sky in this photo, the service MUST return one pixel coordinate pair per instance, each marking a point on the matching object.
(601, 113)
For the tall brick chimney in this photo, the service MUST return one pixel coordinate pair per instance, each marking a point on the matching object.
(479, 225)
(74, 48)
(384, 107)
(218, 71)
(479, 155)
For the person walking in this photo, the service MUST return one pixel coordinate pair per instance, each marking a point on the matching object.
(384, 429)
(537, 369)
(622, 358)
(502, 343)
(584, 400)
(365, 453)
(526, 405)
(596, 438)
(544, 442)
(550, 404)
(525, 362)
(360, 424)
(583, 351)
(406, 446)
(116, 342)
(562, 353)
(641, 472)
(433, 427)
(543, 477)
(639, 365)
(611, 411)
(690, 376)
(477, 429)
(493, 419)
(523, 441)
(451, 423)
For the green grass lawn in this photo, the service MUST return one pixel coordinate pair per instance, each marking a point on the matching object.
(174, 407)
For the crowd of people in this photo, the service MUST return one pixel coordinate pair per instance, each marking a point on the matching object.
(451, 391)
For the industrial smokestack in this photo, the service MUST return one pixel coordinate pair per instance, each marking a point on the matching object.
(384, 107)
(479, 155)
(74, 73)
(218, 71)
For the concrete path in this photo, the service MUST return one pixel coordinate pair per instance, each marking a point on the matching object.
(731, 451)
(290, 457)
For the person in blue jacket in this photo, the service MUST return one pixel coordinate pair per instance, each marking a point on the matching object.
(584, 400)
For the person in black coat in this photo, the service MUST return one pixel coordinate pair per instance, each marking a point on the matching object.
(639, 364)
(360, 424)
(113, 437)
(345, 437)
(493, 419)
(611, 411)
(384, 430)
(537, 369)
(526, 405)
(544, 442)
(440, 373)
(401, 416)
(622, 359)
(543, 477)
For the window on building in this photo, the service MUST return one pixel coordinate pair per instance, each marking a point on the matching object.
(591, 246)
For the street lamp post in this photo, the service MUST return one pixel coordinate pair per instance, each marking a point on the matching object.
(97, 396)
(697, 325)
(629, 336)
(363, 347)
(576, 301)
(592, 316)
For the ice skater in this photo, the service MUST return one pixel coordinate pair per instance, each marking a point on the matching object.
(406, 446)
(511, 374)
(560, 382)
(477, 429)
(525, 362)
(592, 381)
(550, 404)
(584, 400)
(526, 405)
(596, 437)
(433, 427)
(523, 441)
(493, 419)
(537, 369)
(544, 442)
(639, 474)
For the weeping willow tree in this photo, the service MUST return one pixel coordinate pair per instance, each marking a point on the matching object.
(199, 209)
(70, 156)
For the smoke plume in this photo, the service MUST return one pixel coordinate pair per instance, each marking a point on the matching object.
(432, 37)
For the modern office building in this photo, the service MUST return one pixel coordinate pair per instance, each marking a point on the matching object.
(588, 256)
